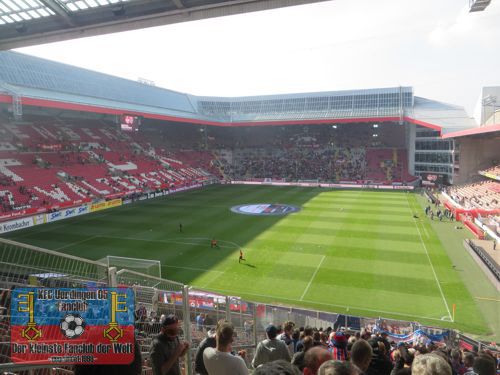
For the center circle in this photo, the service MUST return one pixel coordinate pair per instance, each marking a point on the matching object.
(265, 209)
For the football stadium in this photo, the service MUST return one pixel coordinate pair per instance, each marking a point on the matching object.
(135, 219)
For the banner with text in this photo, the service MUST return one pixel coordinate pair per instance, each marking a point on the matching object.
(69, 326)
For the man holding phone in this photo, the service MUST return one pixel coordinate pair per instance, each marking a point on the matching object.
(166, 348)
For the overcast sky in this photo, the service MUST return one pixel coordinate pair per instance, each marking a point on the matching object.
(436, 46)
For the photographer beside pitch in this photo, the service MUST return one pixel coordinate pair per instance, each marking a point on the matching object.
(166, 348)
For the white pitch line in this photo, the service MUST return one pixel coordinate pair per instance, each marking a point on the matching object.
(432, 266)
(75, 243)
(312, 278)
(194, 269)
(239, 292)
(163, 241)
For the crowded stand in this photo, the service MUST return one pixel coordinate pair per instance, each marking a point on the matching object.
(479, 195)
(45, 165)
(354, 152)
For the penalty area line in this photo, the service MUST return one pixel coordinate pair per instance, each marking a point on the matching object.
(312, 278)
(75, 243)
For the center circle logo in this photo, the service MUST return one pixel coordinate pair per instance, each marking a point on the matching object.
(265, 209)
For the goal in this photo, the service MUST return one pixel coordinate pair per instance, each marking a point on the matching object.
(147, 266)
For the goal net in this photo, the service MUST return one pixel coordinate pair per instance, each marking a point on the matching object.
(146, 266)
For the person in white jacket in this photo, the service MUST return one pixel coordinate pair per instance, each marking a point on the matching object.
(219, 360)
(270, 349)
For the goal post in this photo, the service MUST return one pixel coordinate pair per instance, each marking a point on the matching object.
(146, 266)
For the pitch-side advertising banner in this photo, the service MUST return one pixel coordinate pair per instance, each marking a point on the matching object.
(72, 326)
(17, 224)
(104, 205)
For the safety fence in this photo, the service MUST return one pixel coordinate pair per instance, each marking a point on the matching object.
(198, 311)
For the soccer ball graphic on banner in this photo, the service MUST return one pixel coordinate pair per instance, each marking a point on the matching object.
(72, 326)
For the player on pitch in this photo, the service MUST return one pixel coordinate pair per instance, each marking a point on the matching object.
(241, 257)
(213, 243)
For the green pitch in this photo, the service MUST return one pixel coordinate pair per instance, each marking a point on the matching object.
(359, 252)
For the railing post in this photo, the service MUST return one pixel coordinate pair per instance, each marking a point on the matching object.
(112, 283)
(187, 327)
(255, 335)
(228, 308)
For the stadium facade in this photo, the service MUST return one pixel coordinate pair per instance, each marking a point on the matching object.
(28, 83)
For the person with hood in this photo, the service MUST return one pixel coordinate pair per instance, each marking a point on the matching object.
(270, 349)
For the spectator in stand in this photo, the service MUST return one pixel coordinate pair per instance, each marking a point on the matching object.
(166, 348)
(430, 364)
(338, 342)
(484, 364)
(270, 349)
(219, 360)
(295, 339)
(299, 357)
(314, 358)
(456, 362)
(337, 368)
(380, 363)
(208, 342)
(308, 331)
(468, 362)
(200, 319)
(279, 367)
(361, 355)
(286, 336)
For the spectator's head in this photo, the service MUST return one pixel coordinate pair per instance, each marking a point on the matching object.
(314, 358)
(279, 367)
(288, 327)
(308, 331)
(456, 355)
(296, 334)
(224, 334)
(468, 359)
(430, 364)
(338, 339)
(337, 368)
(316, 336)
(484, 365)
(361, 354)
(271, 331)
(169, 325)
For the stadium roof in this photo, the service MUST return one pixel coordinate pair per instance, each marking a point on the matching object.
(475, 131)
(40, 82)
(29, 22)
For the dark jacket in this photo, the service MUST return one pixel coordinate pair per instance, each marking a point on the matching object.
(163, 348)
(199, 366)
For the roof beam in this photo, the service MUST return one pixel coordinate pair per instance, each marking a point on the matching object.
(61, 11)
(118, 24)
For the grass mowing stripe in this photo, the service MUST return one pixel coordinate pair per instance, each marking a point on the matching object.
(430, 262)
(312, 278)
(319, 303)
(193, 269)
(364, 264)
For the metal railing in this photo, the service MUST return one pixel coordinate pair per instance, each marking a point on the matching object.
(197, 310)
